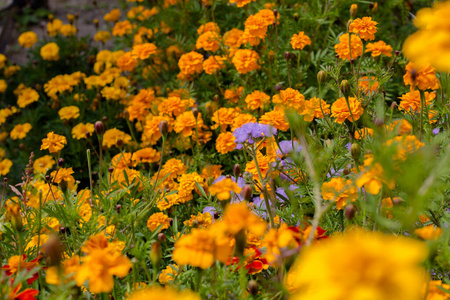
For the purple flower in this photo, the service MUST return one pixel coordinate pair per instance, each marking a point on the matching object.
(348, 146)
(287, 147)
(250, 131)
(436, 131)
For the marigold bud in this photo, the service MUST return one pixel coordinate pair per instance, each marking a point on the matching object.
(296, 17)
(275, 13)
(287, 55)
(120, 143)
(195, 112)
(118, 208)
(241, 242)
(96, 23)
(237, 170)
(13, 211)
(61, 162)
(353, 10)
(247, 192)
(253, 287)
(156, 254)
(355, 150)
(216, 98)
(99, 127)
(278, 87)
(321, 76)
(164, 127)
(126, 114)
(345, 87)
(162, 237)
(349, 212)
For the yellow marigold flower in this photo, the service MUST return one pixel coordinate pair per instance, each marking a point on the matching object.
(28, 39)
(187, 186)
(379, 48)
(3, 86)
(43, 164)
(343, 48)
(365, 28)
(429, 45)
(225, 142)
(69, 267)
(2, 61)
(122, 161)
(393, 261)
(411, 101)
(368, 85)
(167, 275)
(256, 100)
(211, 171)
(18, 263)
(63, 174)
(112, 136)
(224, 188)
(157, 292)
(209, 41)
(276, 118)
(81, 130)
(59, 84)
(191, 63)
(186, 123)
(5, 166)
(373, 177)
(143, 51)
(340, 110)
(27, 96)
(69, 112)
(300, 40)
(245, 61)
(156, 220)
(68, 30)
(263, 163)
(50, 51)
(238, 217)
(122, 28)
(20, 131)
(173, 168)
(199, 221)
(429, 232)
(233, 38)
(339, 190)
(290, 98)
(126, 62)
(241, 3)
(102, 36)
(167, 201)
(315, 108)
(112, 16)
(54, 27)
(146, 155)
(434, 292)
(99, 267)
(53, 142)
(224, 117)
(213, 64)
(233, 95)
(425, 77)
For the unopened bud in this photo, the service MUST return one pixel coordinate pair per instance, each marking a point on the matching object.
(347, 171)
(164, 127)
(61, 162)
(296, 17)
(394, 105)
(247, 192)
(321, 76)
(287, 55)
(110, 170)
(195, 112)
(345, 87)
(352, 61)
(126, 114)
(99, 127)
(118, 208)
(120, 143)
(275, 13)
(216, 98)
(396, 52)
(355, 150)
(241, 242)
(353, 10)
(96, 23)
(413, 75)
(47, 178)
(278, 87)
(53, 251)
(13, 211)
(156, 254)
(271, 56)
(5, 180)
(253, 288)
(237, 170)
(162, 237)
(349, 212)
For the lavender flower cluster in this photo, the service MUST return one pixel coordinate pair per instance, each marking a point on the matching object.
(249, 132)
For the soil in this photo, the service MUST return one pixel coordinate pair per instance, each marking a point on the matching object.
(86, 10)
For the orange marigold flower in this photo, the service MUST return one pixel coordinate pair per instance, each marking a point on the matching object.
(365, 28)
(233, 95)
(411, 101)
(211, 171)
(122, 28)
(112, 16)
(112, 136)
(209, 41)
(239, 217)
(242, 119)
(339, 190)
(424, 77)
(69, 112)
(379, 48)
(373, 177)
(126, 62)
(256, 26)
(225, 142)
(368, 85)
(63, 174)
(340, 110)
(241, 3)
(263, 163)
(186, 123)
(404, 144)
(224, 117)
(256, 100)
(210, 26)
(146, 155)
(213, 64)
(224, 188)
(233, 38)
(191, 63)
(429, 232)
(290, 98)
(300, 40)
(53, 142)
(315, 108)
(276, 118)
(343, 48)
(187, 185)
(245, 60)
(158, 219)
(20, 131)
(143, 51)
(151, 133)
(365, 132)
(172, 106)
